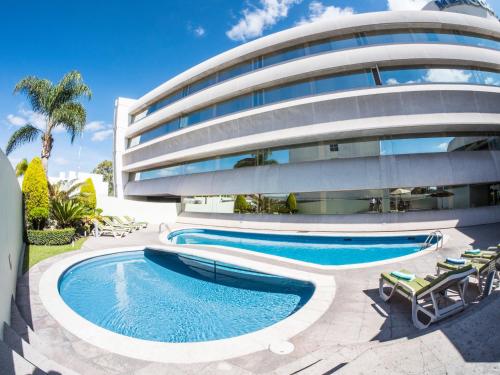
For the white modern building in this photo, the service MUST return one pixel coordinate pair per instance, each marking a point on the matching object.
(376, 113)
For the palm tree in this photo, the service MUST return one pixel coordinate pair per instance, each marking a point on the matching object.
(21, 168)
(58, 104)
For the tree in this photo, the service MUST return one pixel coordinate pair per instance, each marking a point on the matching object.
(88, 197)
(291, 203)
(240, 204)
(21, 168)
(58, 104)
(65, 190)
(36, 194)
(105, 168)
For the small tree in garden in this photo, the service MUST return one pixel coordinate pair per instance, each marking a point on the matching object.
(36, 194)
(240, 204)
(105, 168)
(291, 203)
(88, 197)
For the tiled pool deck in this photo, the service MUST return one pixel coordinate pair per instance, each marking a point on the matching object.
(358, 334)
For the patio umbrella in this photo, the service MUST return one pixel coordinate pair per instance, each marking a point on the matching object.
(400, 191)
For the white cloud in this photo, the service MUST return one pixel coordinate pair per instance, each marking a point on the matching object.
(256, 19)
(406, 4)
(16, 120)
(199, 31)
(491, 81)
(26, 116)
(392, 81)
(442, 146)
(320, 12)
(447, 75)
(102, 135)
(94, 126)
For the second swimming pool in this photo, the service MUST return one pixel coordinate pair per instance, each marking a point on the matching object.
(321, 250)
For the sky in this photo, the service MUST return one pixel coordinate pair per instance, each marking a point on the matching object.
(125, 48)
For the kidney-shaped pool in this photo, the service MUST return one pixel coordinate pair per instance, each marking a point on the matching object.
(175, 298)
(320, 250)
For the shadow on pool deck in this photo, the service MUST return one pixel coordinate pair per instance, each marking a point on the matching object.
(473, 332)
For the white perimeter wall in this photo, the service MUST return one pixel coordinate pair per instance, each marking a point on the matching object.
(152, 212)
(11, 236)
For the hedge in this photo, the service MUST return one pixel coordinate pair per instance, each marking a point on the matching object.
(52, 237)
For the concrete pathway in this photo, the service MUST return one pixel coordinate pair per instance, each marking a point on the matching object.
(359, 333)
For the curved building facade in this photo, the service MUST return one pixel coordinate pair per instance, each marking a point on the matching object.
(374, 113)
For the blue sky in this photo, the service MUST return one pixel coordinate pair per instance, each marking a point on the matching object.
(126, 48)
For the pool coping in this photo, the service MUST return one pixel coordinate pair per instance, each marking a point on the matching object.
(318, 267)
(185, 353)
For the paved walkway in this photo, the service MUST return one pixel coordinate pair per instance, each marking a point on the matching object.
(359, 333)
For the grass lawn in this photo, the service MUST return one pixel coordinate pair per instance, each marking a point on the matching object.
(35, 254)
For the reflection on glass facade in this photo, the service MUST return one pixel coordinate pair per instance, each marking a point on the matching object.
(336, 44)
(327, 151)
(323, 85)
(396, 200)
(400, 76)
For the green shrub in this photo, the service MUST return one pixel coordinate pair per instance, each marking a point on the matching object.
(240, 204)
(36, 194)
(68, 213)
(88, 198)
(291, 203)
(51, 237)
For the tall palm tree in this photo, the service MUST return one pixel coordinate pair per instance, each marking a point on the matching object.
(21, 167)
(58, 104)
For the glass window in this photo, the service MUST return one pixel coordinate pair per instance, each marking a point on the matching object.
(395, 200)
(199, 116)
(339, 43)
(343, 82)
(202, 84)
(281, 56)
(234, 105)
(287, 92)
(342, 149)
(235, 71)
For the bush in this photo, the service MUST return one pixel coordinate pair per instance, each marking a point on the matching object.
(291, 203)
(240, 204)
(36, 194)
(88, 197)
(68, 213)
(51, 237)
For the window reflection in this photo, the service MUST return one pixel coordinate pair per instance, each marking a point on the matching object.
(397, 200)
(335, 44)
(328, 151)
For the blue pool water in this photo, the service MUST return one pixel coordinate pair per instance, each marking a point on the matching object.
(166, 297)
(312, 249)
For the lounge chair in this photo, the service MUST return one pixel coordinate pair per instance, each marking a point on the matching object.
(121, 222)
(101, 229)
(131, 220)
(482, 268)
(111, 223)
(490, 253)
(428, 294)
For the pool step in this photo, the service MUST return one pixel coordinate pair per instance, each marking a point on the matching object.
(11, 363)
(21, 347)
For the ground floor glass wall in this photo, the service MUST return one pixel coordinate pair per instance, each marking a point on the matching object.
(396, 200)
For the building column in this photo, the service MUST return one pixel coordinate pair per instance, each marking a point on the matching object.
(121, 121)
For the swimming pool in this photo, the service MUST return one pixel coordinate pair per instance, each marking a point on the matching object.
(320, 250)
(174, 298)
